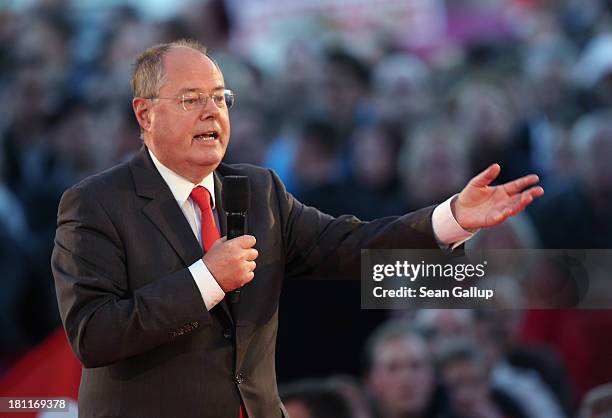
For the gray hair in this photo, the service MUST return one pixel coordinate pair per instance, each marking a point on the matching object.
(148, 73)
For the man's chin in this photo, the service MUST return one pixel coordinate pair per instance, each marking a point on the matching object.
(209, 165)
(208, 157)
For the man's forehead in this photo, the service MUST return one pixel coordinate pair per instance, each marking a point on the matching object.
(184, 60)
(184, 52)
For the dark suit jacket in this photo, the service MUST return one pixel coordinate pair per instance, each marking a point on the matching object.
(134, 315)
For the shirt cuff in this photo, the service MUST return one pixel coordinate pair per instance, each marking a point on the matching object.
(446, 229)
(210, 290)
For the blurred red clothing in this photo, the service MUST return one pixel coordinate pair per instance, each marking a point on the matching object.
(48, 370)
(581, 337)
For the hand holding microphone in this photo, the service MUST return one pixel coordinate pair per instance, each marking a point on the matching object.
(231, 261)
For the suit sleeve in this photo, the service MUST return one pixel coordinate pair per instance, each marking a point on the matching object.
(319, 245)
(104, 319)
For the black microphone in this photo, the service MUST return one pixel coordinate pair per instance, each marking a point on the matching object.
(235, 199)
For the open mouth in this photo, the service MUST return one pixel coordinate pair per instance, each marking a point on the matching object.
(207, 136)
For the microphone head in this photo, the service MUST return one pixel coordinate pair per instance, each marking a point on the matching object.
(236, 194)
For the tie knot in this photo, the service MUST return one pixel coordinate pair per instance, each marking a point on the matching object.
(201, 196)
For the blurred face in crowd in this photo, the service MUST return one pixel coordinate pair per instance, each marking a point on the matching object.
(342, 90)
(189, 142)
(485, 113)
(466, 382)
(436, 164)
(298, 409)
(445, 324)
(374, 157)
(401, 378)
(596, 163)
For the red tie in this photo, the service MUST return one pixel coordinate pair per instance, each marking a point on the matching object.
(210, 233)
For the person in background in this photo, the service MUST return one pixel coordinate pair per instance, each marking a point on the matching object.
(597, 402)
(399, 373)
(432, 162)
(314, 399)
(465, 375)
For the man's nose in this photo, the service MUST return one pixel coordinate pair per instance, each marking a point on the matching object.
(209, 110)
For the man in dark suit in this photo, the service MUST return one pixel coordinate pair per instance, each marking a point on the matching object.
(141, 277)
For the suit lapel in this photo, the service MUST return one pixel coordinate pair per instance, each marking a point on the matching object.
(162, 208)
(167, 216)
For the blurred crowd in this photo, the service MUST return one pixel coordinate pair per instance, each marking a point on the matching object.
(372, 130)
(448, 364)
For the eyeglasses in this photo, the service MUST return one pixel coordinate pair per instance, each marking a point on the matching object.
(192, 101)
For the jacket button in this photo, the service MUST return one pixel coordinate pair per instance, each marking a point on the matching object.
(240, 378)
(227, 334)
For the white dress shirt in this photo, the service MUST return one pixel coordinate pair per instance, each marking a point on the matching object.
(181, 189)
(446, 229)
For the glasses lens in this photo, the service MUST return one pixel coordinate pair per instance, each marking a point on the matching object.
(229, 98)
(190, 101)
(219, 100)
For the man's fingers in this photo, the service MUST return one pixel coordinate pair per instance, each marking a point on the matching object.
(530, 194)
(487, 176)
(500, 216)
(251, 254)
(519, 202)
(516, 204)
(517, 185)
(536, 191)
(245, 241)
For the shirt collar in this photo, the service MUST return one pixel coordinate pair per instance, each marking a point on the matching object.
(181, 187)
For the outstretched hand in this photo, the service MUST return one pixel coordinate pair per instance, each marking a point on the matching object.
(480, 205)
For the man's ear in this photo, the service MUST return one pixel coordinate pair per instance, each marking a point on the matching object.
(142, 108)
